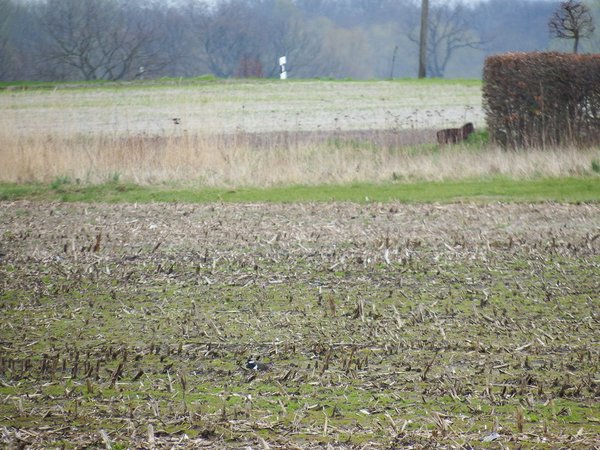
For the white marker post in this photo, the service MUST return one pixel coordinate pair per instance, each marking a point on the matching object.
(282, 72)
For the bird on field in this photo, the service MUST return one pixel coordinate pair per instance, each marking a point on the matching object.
(253, 364)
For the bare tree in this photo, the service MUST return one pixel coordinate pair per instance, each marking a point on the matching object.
(229, 35)
(572, 20)
(449, 31)
(7, 56)
(111, 39)
(188, 36)
(95, 39)
(18, 31)
(295, 36)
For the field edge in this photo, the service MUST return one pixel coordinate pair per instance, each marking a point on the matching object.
(564, 189)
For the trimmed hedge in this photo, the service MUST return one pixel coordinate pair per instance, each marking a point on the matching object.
(546, 99)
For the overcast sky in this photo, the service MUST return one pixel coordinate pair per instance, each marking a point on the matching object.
(445, 2)
(471, 2)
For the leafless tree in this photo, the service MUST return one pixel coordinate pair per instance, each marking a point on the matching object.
(230, 35)
(449, 31)
(6, 52)
(111, 39)
(295, 36)
(572, 20)
(246, 38)
(95, 39)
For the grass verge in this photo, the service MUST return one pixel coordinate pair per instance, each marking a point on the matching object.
(575, 189)
(166, 82)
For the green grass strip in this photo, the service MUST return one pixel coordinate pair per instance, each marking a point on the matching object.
(572, 190)
(209, 79)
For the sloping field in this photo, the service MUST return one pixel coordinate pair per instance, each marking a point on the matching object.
(239, 105)
(385, 325)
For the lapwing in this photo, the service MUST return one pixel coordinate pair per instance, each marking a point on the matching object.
(253, 364)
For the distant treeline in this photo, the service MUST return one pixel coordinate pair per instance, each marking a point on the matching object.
(360, 39)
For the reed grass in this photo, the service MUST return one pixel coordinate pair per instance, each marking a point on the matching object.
(273, 159)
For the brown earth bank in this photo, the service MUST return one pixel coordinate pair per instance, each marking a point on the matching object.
(383, 325)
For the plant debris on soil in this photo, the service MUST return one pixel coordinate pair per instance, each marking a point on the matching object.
(375, 325)
(386, 138)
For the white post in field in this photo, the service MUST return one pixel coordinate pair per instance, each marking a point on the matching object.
(282, 71)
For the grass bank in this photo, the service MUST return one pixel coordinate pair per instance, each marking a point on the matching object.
(572, 190)
(12, 86)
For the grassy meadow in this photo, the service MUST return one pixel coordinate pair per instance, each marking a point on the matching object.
(156, 235)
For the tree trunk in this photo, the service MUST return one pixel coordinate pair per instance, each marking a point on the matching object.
(423, 39)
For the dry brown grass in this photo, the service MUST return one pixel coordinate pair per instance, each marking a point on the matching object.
(256, 134)
(245, 159)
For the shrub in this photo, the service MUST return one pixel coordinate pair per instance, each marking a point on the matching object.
(542, 99)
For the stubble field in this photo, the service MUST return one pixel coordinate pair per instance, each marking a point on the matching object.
(385, 325)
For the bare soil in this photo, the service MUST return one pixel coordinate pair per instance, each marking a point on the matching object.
(384, 325)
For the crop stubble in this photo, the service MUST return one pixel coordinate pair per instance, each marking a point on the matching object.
(386, 325)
